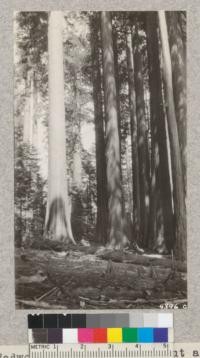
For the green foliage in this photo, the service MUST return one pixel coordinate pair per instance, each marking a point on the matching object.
(30, 195)
(32, 37)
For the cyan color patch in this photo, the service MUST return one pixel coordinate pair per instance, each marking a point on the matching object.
(145, 335)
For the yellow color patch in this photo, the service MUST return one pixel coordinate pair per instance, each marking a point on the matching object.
(114, 335)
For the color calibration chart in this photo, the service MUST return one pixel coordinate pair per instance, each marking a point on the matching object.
(100, 328)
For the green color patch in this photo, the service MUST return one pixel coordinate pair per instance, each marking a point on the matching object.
(130, 335)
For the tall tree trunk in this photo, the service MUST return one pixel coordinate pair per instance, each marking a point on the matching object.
(29, 108)
(117, 238)
(102, 203)
(177, 175)
(178, 58)
(34, 94)
(58, 223)
(29, 126)
(77, 166)
(116, 67)
(141, 141)
(20, 240)
(76, 188)
(133, 119)
(119, 116)
(77, 163)
(160, 181)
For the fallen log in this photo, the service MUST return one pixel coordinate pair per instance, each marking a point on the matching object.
(92, 276)
(36, 304)
(146, 260)
(79, 275)
(112, 304)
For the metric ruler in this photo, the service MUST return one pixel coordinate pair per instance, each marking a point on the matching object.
(101, 350)
(186, 350)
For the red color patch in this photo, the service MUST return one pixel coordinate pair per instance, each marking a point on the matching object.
(100, 335)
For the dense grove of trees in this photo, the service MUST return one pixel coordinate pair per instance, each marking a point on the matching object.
(122, 77)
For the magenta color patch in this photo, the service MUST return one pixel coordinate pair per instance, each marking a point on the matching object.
(85, 335)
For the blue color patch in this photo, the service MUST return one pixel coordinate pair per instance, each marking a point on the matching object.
(160, 335)
(145, 335)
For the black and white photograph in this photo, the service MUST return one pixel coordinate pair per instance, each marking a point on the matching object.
(100, 130)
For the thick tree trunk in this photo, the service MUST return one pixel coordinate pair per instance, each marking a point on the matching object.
(178, 58)
(141, 142)
(58, 224)
(102, 204)
(115, 207)
(177, 175)
(133, 120)
(160, 182)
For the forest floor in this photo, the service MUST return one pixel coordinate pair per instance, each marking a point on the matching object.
(93, 277)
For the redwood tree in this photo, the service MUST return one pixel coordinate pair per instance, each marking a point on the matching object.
(177, 173)
(141, 138)
(117, 238)
(102, 205)
(135, 164)
(77, 164)
(58, 224)
(178, 58)
(160, 181)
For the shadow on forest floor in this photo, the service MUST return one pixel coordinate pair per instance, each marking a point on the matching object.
(96, 278)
